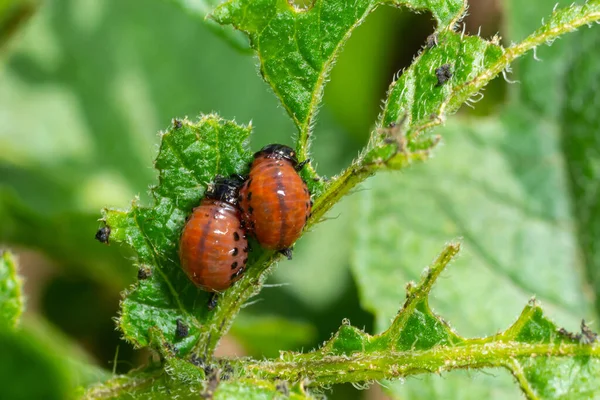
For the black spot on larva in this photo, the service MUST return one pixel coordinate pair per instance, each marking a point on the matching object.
(234, 265)
(306, 219)
(245, 249)
(245, 261)
(307, 205)
(250, 210)
(144, 273)
(236, 236)
(249, 196)
(103, 234)
(443, 74)
(182, 330)
(235, 251)
(249, 183)
(177, 123)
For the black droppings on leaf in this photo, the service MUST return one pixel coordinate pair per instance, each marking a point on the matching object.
(566, 333)
(282, 387)
(432, 41)
(177, 123)
(587, 336)
(227, 372)
(182, 330)
(197, 360)
(144, 273)
(443, 74)
(103, 234)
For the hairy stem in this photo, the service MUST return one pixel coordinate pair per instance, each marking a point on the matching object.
(476, 354)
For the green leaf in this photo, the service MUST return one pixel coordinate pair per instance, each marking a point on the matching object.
(11, 299)
(533, 349)
(190, 156)
(297, 47)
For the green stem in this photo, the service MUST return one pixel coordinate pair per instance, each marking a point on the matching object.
(562, 21)
(473, 354)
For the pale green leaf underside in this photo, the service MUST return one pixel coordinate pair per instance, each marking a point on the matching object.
(11, 300)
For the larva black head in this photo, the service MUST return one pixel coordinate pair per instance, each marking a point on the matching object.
(278, 151)
(225, 189)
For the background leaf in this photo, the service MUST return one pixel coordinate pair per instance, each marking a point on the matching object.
(13, 13)
(201, 8)
(579, 125)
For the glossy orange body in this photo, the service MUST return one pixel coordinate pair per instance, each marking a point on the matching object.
(213, 248)
(275, 203)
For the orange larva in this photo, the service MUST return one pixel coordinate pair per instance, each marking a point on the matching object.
(274, 201)
(213, 248)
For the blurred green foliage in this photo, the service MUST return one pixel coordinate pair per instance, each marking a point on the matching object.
(87, 85)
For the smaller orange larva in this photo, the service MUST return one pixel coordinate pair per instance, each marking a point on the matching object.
(213, 249)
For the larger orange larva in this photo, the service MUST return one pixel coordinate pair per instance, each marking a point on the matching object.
(213, 249)
(274, 201)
